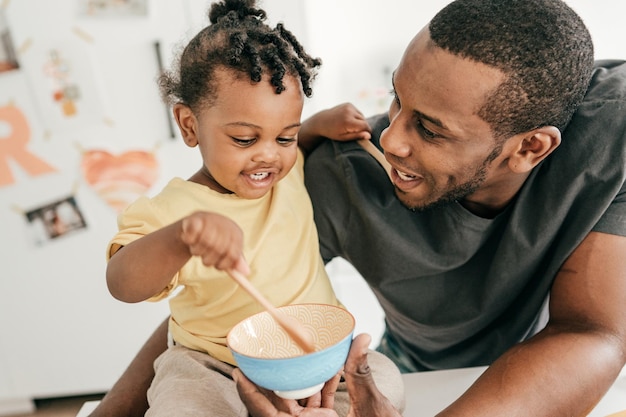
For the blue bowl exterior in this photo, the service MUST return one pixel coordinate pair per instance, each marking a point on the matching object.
(295, 373)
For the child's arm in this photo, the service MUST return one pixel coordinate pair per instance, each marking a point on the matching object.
(146, 266)
(343, 122)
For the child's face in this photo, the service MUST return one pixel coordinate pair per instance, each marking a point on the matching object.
(248, 136)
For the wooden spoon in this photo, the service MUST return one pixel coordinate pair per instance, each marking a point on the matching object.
(292, 326)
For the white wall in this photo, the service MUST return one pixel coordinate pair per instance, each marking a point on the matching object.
(62, 333)
(361, 41)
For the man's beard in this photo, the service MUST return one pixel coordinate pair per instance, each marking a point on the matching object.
(457, 192)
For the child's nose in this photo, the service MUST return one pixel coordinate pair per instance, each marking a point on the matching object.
(267, 153)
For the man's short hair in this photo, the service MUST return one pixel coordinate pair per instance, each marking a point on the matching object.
(542, 47)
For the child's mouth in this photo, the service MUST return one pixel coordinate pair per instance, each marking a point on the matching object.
(259, 176)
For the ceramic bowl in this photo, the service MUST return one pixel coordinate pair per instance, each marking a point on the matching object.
(272, 360)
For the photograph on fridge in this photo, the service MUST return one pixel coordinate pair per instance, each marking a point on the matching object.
(53, 220)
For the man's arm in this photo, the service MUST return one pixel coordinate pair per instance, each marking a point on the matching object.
(127, 398)
(566, 368)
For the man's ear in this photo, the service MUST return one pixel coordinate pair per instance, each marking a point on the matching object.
(533, 147)
(187, 123)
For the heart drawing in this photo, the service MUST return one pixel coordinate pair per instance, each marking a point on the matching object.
(119, 179)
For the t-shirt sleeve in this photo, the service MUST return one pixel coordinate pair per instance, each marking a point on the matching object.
(139, 219)
(613, 221)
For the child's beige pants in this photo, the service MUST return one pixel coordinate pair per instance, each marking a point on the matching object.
(194, 384)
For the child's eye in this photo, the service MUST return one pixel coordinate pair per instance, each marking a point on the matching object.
(285, 141)
(243, 142)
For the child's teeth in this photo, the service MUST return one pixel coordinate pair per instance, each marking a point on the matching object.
(259, 176)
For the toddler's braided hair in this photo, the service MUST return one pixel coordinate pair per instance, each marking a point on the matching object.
(236, 39)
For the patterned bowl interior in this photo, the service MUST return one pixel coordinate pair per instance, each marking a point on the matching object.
(260, 336)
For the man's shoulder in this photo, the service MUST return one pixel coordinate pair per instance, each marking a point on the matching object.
(378, 123)
(601, 117)
(589, 166)
(608, 82)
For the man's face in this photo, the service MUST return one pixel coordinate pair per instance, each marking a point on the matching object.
(439, 148)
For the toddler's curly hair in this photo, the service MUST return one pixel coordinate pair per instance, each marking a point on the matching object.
(236, 39)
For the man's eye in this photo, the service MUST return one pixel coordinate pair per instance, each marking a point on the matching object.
(426, 134)
(394, 106)
(396, 100)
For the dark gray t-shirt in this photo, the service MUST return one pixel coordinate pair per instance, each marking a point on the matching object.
(459, 290)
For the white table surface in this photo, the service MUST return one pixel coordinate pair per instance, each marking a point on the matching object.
(430, 392)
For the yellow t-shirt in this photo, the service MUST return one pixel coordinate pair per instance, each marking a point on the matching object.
(280, 245)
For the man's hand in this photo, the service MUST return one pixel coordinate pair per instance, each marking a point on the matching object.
(263, 403)
(365, 399)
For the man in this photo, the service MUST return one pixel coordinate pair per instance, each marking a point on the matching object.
(500, 205)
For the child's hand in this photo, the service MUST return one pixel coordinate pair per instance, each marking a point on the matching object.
(216, 239)
(343, 122)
